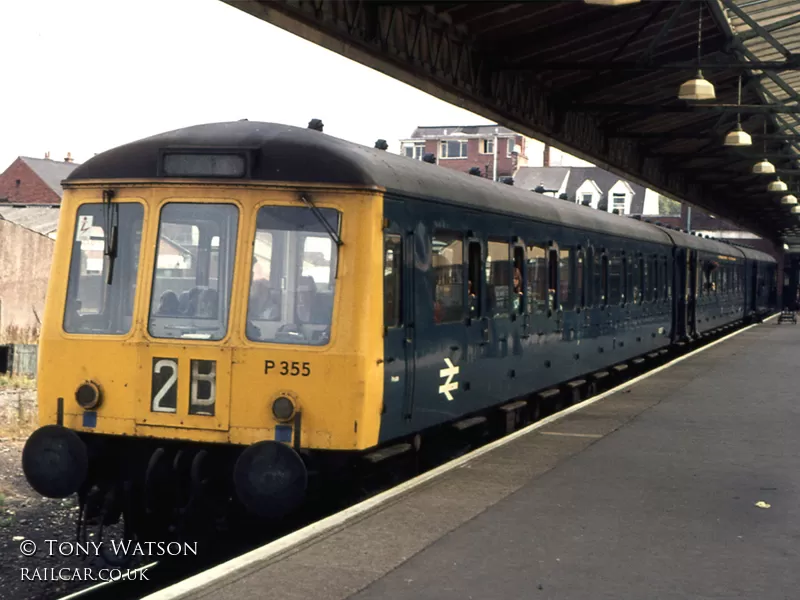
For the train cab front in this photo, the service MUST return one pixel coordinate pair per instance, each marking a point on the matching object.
(203, 341)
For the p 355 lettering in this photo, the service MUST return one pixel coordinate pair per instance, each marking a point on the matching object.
(284, 367)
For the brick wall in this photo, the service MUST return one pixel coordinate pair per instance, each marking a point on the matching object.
(26, 257)
(506, 165)
(30, 190)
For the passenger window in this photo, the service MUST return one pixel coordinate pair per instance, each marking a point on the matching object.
(552, 285)
(636, 280)
(448, 272)
(475, 287)
(624, 287)
(708, 282)
(194, 271)
(392, 280)
(537, 279)
(614, 268)
(656, 279)
(600, 278)
(647, 280)
(499, 277)
(518, 280)
(580, 288)
(700, 287)
(667, 281)
(565, 297)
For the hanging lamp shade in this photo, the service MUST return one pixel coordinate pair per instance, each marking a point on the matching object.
(789, 199)
(738, 137)
(698, 88)
(777, 186)
(763, 168)
(796, 210)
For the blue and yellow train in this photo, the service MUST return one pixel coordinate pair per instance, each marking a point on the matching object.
(232, 305)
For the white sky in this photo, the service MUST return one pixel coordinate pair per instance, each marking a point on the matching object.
(83, 76)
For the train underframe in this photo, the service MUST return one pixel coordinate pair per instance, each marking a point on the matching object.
(149, 489)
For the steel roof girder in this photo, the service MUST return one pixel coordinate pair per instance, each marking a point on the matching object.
(755, 26)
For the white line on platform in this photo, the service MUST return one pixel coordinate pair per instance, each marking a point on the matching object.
(271, 550)
(564, 433)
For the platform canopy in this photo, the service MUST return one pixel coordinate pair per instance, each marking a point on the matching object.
(603, 83)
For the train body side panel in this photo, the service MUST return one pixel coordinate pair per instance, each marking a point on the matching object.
(441, 371)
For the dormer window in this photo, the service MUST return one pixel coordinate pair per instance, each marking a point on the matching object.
(618, 202)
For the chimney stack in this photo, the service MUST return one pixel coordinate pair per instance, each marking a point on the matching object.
(47, 156)
(68, 158)
(546, 159)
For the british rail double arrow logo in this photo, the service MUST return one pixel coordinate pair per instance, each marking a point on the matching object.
(449, 385)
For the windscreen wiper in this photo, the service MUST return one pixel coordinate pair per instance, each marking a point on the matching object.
(334, 236)
(110, 231)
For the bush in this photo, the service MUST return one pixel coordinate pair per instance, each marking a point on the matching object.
(14, 334)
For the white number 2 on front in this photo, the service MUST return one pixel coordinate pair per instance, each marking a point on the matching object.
(167, 386)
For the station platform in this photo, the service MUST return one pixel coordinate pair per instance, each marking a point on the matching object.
(685, 484)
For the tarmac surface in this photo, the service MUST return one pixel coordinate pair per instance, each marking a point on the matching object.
(684, 485)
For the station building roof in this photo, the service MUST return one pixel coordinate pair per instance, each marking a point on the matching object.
(602, 83)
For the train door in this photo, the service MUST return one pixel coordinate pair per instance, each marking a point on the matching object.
(398, 313)
(691, 301)
(442, 299)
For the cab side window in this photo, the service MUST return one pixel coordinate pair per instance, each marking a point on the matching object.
(392, 279)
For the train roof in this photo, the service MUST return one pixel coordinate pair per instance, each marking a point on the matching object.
(753, 254)
(686, 240)
(284, 153)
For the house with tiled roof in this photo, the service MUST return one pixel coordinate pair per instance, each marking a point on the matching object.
(30, 198)
(35, 180)
(591, 186)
